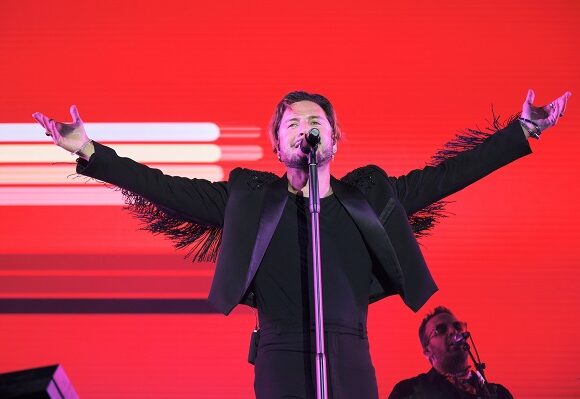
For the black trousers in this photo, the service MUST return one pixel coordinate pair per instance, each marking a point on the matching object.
(285, 365)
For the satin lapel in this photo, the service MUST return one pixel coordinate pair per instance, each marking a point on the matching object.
(273, 205)
(370, 228)
(358, 208)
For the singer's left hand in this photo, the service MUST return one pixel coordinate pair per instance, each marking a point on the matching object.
(548, 115)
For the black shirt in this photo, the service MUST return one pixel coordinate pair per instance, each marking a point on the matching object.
(283, 283)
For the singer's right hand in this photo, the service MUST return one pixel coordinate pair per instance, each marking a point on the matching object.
(70, 136)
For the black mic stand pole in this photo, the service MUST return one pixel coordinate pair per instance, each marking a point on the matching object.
(314, 200)
(479, 366)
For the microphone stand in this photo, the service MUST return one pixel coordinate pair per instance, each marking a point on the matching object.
(479, 366)
(314, 201)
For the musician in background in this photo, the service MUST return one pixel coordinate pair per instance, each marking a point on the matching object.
(452, 376)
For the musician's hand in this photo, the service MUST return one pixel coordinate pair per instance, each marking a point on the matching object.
(70, 136)
(548, 115)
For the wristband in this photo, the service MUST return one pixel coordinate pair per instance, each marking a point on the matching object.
(82, 148)
(535, 131)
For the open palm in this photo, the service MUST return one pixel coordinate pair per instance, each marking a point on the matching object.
(547, 115)
(70, 136)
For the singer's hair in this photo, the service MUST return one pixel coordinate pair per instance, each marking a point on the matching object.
(294, 97)
(430, 315)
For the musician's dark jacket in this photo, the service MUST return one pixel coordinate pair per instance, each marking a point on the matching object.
(432, 385)
(248, 207)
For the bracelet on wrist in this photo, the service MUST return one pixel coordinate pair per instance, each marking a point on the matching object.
(531, 127)
(81, 148)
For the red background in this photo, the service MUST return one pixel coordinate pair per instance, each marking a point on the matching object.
(403, 76)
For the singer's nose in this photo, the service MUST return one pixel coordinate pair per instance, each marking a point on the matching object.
(455, 330)
(457, 339)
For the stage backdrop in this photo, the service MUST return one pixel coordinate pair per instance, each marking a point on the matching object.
(189, 87)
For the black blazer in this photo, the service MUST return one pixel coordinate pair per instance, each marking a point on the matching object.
(249, 205)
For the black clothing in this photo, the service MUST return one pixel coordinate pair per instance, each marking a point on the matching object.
(433, 385)
(283, 372)
(285, 362)
(247, 209)
(283, 283)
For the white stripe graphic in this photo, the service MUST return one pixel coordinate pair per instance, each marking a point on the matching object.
(65, 174)
(93, 195)
(241, 153)
(38, 153)
(48, 196)
(122, 131)
(35, 172)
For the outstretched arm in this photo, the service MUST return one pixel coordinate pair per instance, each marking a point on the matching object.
(422, 187)
(191, 199)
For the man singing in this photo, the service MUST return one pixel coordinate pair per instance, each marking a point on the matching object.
(258, 225)
(451, 376)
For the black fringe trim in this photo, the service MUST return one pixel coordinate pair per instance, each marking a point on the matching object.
(469, 138)
(203, 240)
(423, 221)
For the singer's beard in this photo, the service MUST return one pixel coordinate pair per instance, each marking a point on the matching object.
(298, 160)
(453, 361)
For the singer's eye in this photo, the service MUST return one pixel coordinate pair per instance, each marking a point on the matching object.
(315, 123)
(440, 329)
(459, 326)
(292, 125)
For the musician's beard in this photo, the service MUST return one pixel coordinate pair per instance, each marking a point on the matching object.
(453, 362)
(297, 160)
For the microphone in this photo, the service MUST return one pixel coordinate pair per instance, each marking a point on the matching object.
(460, 338)
(310, 141)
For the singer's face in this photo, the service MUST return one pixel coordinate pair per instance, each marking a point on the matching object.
(440, 351)
(297, 120)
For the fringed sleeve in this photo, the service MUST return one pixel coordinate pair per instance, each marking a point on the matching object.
(202, 241)
(468, 139)
(423, 220)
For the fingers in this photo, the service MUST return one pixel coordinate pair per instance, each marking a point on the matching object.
(43, 120)
(564, 102)
(52, 123)
(557, 107)
(555, 112)
(74, 112)
(54, 134)
(39, 118)
(527, 107)
(48, 124)
(530, 97)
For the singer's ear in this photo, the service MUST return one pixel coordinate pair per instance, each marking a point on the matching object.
(427, 354)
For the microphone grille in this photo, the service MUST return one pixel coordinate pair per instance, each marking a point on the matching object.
(313, 137)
